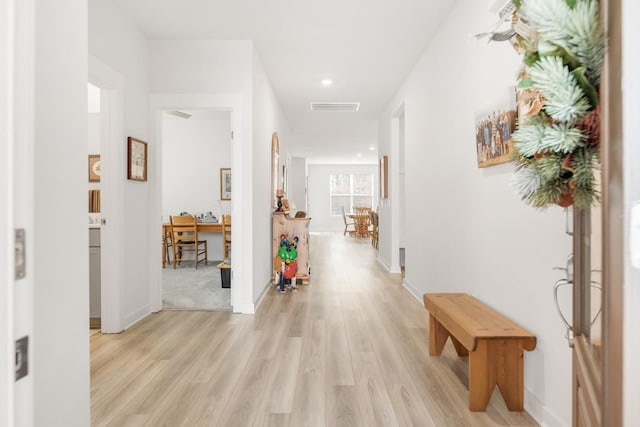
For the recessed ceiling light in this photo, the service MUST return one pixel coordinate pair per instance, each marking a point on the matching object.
(359, 155)
(372, 148)
(326, 82)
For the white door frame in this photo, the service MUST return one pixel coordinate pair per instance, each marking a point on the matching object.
(112, 160)
(6, 214)
(176, 101)
(395, 189)
(17, 85)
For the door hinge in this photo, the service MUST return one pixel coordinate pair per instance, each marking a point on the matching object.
(231, 134)
(22, 357)
(20, 254)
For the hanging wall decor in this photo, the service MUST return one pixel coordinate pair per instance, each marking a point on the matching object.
(225, 183)
(557, 138)
(494, 144)
(95, 168)
(384, 177)
(136, 159)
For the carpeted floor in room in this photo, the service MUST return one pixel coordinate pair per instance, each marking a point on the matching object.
(187, 288)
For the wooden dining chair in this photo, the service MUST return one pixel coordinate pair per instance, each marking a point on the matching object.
(348, 224)
(184, 238)
(363, 220)
(167, 246)
(374, 228)
(226, 235)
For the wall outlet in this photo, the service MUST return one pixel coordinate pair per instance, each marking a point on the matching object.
(22, 357)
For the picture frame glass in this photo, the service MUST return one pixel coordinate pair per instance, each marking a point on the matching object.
(225, 184)
(136, 159)
(95, 168)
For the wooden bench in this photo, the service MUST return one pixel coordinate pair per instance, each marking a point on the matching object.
(493, 343)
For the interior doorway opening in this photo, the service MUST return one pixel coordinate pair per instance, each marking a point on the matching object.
(94, 166)
(196, 181)
(111, 169)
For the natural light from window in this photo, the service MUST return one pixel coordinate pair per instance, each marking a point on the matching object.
(349, 190)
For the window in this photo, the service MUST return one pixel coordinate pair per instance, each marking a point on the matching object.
(349, 190)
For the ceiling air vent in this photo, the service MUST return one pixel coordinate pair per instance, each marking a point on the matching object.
(335, 106)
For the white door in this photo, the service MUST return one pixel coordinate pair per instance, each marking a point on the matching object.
(16, 205)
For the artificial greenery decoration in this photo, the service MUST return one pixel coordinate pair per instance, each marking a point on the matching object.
(557, 139)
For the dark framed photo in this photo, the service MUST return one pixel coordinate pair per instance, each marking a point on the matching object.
(94, 168)
(136, 159)
(225, 183)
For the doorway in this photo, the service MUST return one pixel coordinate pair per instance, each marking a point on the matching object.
(397, 195)
(402, 209)
(196, 160)
(109, 220)
(94, 143)
(233, 103)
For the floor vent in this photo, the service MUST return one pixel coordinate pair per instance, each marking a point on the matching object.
(335, 106)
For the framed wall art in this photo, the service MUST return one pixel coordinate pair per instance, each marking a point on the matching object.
(94, 168)
(493, 131)
(384, 177)
(225, 183)
(136, 159)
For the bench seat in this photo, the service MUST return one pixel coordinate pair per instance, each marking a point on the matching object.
(493, 343)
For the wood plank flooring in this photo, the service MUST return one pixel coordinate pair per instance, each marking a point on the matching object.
(350, 349)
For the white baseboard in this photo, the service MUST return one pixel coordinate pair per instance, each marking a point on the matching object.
(540, 413)
(135, 317)
(412, 290)
(381, 262)
(386, 267)
(262, 295)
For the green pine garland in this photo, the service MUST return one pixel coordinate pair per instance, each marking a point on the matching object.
(557, 147)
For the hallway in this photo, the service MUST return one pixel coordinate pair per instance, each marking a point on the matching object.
(349, 349)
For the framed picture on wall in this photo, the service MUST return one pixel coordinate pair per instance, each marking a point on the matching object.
(94, 168)
(225, 183)
(493, 130)
(285, 180)
(384, 177)
(136, 159)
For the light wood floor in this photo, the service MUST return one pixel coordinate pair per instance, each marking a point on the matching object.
(350, 349)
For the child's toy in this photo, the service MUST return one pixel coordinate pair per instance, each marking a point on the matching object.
(286, 259)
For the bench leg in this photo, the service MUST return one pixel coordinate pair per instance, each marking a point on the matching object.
(510, 377)
(459, 347)
(437, 336)
(482, 375)
(501, 363)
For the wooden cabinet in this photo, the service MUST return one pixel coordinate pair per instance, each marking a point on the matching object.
(291, 227)
(94, 278)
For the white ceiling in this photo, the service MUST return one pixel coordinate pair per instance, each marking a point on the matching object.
(366, 46)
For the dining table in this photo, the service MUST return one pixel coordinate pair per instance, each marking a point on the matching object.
(361, 222)
(203, 227)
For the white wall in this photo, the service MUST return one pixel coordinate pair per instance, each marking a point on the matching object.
(61, 295)
(466, 230)
(298, 184)
(267, 118)
(116, 41)
(318, 194)
(204, 69)
(631, 112)
(193, 151)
